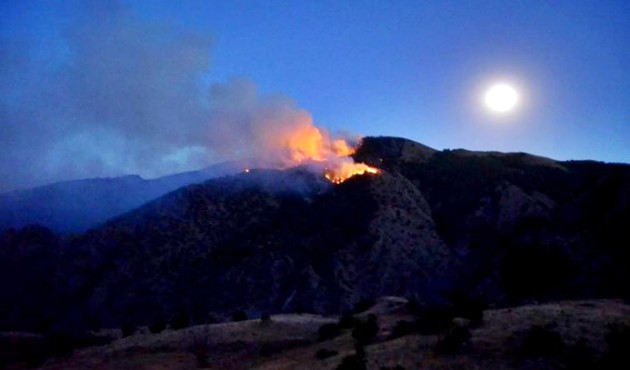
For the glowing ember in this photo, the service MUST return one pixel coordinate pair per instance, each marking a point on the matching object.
(347, 170)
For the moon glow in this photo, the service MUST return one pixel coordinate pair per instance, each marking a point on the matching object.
(501, 98)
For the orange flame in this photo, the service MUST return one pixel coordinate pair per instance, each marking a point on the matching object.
(311, 144)
(295, 140)
(347, 170)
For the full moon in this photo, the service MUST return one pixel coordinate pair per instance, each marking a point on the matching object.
(501, 98)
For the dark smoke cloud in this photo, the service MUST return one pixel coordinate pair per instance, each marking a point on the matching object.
(123, 96)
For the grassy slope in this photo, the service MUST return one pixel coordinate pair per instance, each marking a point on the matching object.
(290, 341)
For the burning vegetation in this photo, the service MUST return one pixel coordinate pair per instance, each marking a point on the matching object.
(309, 144)
(305, 144)
(345, 171)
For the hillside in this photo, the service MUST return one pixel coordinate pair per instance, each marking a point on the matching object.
(285, 241)
(76, 206)
(567, 334)
(441, 227)
(524, 227)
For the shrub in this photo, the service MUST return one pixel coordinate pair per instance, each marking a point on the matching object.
(328, 331)
(127, 329)
(63, 343)
(552, 276)
(199, 348)
(180, 321)
(90, 340)
(325, 353)
(53, 344)
(352, 362)
(347, 321)
(453, 340)
(434, 320)
(475, 315)
(95, 325)
(239, 316)
(618, 340)
(580, 356)
(402, 328)
(542, 342)
(359, 350)
(213, 318)
(157, 326)
(363, 305)
(470, 308)
(364, 332)
(618, 337)
(413, 306)
(268, 349)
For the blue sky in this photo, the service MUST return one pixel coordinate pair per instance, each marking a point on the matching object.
(410, 68)
(415, 69)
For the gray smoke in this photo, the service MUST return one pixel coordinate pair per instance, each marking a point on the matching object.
(123, 96)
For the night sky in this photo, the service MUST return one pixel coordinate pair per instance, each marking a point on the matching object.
(91, 89)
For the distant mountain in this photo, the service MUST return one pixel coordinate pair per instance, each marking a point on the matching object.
(75, 206)
(506, 228)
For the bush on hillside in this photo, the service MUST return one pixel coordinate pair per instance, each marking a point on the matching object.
(402, 328)
(239, 316)
(328, 331)
(200, 348)
(618, 340)
(413, 306)
(581, 357)
(180, 321)
(325, 353)
(352, 362)
(271, 348)
(127, 329)
(434, 320)
(363, 305)
(365, 331)
(470, 308)
(347, 321)
(453, 340)
(157, 325)
(542, 342)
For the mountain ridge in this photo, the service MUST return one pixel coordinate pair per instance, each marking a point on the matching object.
(78, 205)
(433, 226)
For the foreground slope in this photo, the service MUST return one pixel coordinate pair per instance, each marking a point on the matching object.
(573, 334)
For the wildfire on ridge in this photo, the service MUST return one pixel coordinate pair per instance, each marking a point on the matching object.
(299, 142)
(347, 170)
(311, 144)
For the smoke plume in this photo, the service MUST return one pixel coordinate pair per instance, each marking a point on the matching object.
(118, 95)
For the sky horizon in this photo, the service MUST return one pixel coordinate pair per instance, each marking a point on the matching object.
(151, 88)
